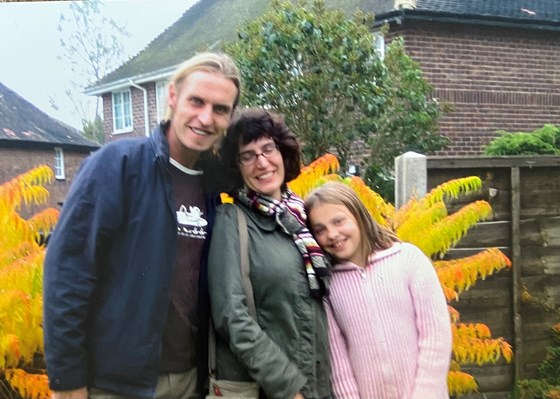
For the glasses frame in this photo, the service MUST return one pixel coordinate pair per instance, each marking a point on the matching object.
(274, 149)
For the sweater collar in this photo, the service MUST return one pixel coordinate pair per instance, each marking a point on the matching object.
(346, 266)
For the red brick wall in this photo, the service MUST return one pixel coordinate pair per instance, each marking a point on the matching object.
(138, 116)
(494, 78)
(152, 104)
(107, 116)
(14, 162)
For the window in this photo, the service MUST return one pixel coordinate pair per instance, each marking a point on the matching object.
(379, 44)
(59, 164)
(161, 99)
(122, 112)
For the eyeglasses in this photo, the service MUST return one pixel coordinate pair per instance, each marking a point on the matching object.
(249, 157)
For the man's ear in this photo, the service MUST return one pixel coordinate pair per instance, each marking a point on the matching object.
(172, 96)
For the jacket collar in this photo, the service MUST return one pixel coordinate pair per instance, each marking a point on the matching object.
(159, 141)
(263, 222)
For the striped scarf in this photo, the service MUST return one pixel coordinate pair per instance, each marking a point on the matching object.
(290, 217)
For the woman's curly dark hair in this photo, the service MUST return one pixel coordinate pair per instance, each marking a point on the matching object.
(250, 125)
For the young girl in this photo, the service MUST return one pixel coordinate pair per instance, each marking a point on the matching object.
(389, 328)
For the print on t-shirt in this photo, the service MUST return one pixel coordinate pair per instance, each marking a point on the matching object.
(191, 223)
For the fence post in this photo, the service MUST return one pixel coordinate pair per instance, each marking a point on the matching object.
(516, 270)
(411, 177)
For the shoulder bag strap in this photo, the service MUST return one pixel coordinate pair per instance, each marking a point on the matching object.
(245, 267)
(245, 280)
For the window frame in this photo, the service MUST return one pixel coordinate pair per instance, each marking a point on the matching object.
(379, 44)
(124, 113)
(59, 172)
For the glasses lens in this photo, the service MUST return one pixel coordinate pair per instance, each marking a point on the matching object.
(269, 150)
(247, 158)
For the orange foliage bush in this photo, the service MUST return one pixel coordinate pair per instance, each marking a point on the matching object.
(21, 275)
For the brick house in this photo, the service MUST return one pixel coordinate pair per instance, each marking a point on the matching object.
(494, 61)
(29, 137)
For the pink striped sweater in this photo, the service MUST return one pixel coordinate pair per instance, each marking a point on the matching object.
(389, 328)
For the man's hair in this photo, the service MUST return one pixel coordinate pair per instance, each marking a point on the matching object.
(374, 236)
(209, 62)
(250, 125)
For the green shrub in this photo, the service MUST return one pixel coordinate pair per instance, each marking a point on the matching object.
(381, 182)
(548, 384)
(550, 367)
(532, 389)
(545, 140)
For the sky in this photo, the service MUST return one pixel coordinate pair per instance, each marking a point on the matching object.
(29, 45)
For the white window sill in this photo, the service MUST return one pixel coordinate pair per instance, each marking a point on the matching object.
(128, 130)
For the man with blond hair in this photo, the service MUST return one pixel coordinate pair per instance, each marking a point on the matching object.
(125, 266)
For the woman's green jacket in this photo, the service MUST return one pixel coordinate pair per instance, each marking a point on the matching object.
(286, 350)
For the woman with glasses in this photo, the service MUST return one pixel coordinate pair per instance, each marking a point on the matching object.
(285, 350)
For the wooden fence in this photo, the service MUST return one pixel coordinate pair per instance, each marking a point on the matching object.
(523, 303)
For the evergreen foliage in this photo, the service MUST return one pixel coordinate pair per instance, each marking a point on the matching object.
(547, 386)
(545, 140)
(93, 130)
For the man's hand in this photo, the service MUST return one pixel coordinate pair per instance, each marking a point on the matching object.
(299, 396)
(80, 393)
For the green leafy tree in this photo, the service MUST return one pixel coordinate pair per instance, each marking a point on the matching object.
(318, 68)
(322, 71)
(91, 44)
